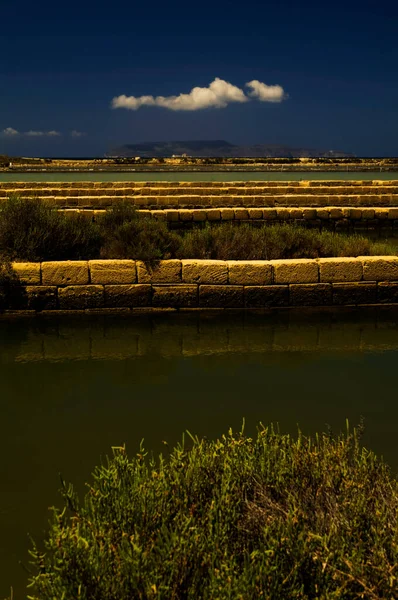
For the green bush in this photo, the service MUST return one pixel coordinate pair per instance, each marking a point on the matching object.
(230, 241)
(33, 230)
(126, 234)
(269, 517)
(8, 280)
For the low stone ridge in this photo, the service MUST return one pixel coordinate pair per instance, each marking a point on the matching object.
(188, 284)
(328, 216)
(330, 203)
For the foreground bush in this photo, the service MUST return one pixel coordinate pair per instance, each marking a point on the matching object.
(126, 234)
(271, 517)
(229, 241)
(32, 230)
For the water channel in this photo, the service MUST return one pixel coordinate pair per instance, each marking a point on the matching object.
(204, 176)
(72, 388)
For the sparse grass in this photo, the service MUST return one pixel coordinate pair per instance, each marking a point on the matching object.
(126, 234)
(267, 242)
(270, 517)
(32, 230)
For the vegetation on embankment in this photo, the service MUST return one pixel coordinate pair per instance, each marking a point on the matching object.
(245, 242)
(179, 163)
(7, 280)
(31, 230)
(268, 517)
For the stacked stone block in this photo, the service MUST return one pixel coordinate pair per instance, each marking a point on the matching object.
(332, 204)
(191, 283)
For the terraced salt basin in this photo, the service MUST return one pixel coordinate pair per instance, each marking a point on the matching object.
(70, 388)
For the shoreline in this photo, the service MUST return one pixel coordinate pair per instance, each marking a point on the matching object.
(192, 164)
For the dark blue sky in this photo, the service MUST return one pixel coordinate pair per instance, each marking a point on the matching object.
(61, 64)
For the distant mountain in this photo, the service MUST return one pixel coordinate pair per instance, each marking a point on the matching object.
(219, 148)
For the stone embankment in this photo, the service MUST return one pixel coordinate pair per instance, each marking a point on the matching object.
(129, 285)
(370, 204)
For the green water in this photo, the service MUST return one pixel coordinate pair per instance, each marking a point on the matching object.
(204, 176)
(72, 388)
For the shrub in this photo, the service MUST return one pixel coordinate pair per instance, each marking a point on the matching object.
(126, 234)
(32, 230)
(8, 279)
(229, 241)
(270, 517)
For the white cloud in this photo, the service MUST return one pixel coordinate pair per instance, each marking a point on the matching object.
(77, 134)
(33, 133)
(10, 132)
(218, 94)
(265, 93)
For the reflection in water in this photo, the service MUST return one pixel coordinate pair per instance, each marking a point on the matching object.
(72, 388)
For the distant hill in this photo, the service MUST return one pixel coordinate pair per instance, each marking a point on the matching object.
(219, 148)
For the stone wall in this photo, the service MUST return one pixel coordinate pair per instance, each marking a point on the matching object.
(201, 284)
(204, 194)
(333, 204)
(330, 217)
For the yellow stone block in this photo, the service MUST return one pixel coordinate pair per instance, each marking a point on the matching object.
(27, 273)
(356, 213)
(213, 214)
(81, 297)
(255, 213)
(333, 270)
(336, 213)
(112, 271)
(309, 213)
(241, 213)
(283, 214)
(185, 214)
(199, 215)
(172, 214)
(296, 213)
(204, 271)
(301, 270)
(175, 296)
(249, 272)
(161, 215)
(166, 271)
(129, 296)
(380, 268)
(68, 272)
(227, 214)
